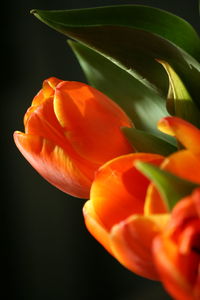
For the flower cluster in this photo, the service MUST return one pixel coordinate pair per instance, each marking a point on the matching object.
(135, 157)
(73, 139)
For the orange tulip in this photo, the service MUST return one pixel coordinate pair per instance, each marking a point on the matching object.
(177, 250)
(184, 163)
(71, 129)
(114, 215)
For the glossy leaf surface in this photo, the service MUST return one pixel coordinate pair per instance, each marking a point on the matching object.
(179, 101)
(132, 37)
(146, 142)
(137, 16)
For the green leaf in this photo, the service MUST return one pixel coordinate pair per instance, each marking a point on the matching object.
(142, 105)
(171, 187)
(180, 102)
(157, 21)
(145, 142)
(132, 37)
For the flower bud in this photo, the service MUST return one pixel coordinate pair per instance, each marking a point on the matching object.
(114, 215)
(71, 129)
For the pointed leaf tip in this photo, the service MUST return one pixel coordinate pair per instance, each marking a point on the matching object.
(179, 102)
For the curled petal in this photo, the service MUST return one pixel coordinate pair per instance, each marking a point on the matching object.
(129, 241)
(53, 163)
(42, 122)
(45, 93)
(153, 202)
(132, 240)
(119, 189)
(184, 131)
(49, 86)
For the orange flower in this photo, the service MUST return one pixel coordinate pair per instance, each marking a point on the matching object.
(71, 129)
(184, 163)
(177, 250)
(114, 215)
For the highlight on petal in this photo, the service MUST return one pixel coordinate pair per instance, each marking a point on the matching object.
(184, 131)
(119, 189)
(53, 163)
(132, 241)
(92, 118)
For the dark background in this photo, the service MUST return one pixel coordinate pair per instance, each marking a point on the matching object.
(47, 252)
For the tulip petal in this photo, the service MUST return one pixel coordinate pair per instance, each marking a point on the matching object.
(184, 131)
(183, 164)
(53, 163)
(175, 283)
(129, 241)
(95, 227)
(132, 240)
(153, 202)
(176, 269)
(49, 86)
(187, 209)
(46, 92)
(91, 115)
(42, 122)
(177, 250)
(119, 189)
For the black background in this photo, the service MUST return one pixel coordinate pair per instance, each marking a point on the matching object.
(47, 252)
